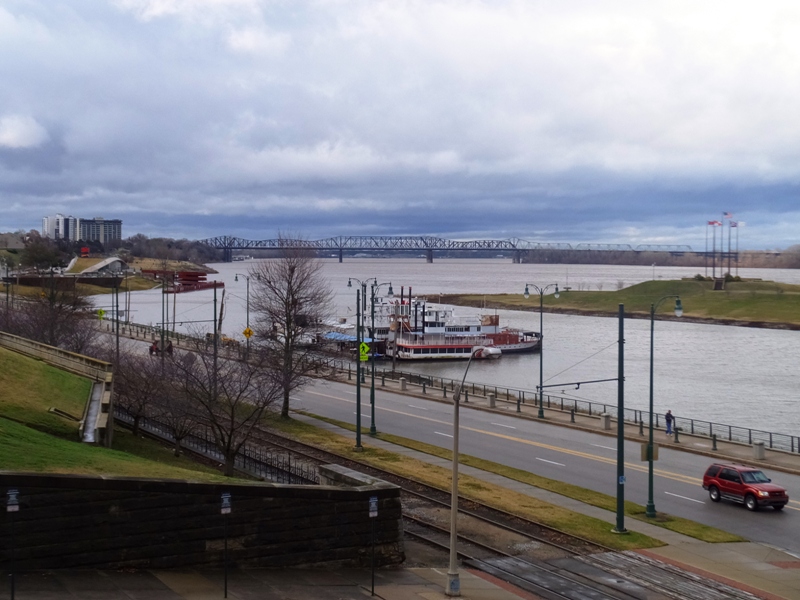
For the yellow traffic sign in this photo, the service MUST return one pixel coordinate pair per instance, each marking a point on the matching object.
(364, 351)
(248, 333)
(100, 313)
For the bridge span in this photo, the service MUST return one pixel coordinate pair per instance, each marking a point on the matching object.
(428, 244)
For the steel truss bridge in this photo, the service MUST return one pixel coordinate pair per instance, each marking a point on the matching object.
(428, 244)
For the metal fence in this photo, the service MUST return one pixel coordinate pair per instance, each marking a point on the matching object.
(430, 384)
(445, 386)
(271, 464)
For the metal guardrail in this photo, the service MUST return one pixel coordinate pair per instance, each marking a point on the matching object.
(276, 466)
(732, 433)
(431, 384)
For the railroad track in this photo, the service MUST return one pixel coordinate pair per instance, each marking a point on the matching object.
(534, 557)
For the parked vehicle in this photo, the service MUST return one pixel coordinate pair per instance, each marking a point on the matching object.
(743, 484)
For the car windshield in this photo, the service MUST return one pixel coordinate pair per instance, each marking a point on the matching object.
(754, 477)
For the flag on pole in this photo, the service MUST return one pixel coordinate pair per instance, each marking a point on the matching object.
(714, 223)
(734, 224)
(727, 215)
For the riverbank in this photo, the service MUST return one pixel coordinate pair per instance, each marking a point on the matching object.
(762, 304)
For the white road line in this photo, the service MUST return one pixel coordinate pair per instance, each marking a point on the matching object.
(419, 407)
(605, 447)
(501, 425)
(551, 462)
(684, 497)
(444, 434)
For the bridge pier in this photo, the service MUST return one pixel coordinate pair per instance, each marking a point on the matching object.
(516, 258)
(341, 255)
(429, 255)
(227, 253)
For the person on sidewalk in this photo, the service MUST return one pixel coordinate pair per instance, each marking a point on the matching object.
(669, 419)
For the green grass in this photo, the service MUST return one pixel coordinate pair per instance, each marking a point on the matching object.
(576, 524)
(25, 449)
(29, 388)
(764, 301)
(33, 439)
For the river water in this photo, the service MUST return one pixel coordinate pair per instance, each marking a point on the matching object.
(733, 375)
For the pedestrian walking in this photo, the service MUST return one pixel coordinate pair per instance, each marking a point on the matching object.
(669, 419)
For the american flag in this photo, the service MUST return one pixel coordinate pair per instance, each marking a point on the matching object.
(727, 215)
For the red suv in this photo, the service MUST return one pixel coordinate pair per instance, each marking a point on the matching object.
(744, 485)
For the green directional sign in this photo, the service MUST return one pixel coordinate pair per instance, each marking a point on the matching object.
(364, 351)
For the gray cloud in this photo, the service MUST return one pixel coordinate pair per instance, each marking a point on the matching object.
(579, 121)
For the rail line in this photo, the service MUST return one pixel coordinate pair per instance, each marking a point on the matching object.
(544, 561)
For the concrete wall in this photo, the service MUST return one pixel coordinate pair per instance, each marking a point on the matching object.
(78, 521)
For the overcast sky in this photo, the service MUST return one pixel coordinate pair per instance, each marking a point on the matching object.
(556, 121)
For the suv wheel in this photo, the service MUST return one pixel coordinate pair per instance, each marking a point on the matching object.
(713, 493)
(750, 502)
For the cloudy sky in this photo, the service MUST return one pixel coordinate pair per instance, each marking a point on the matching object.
(556, 121)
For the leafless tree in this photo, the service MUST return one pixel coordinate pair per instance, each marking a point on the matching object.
(290, 299)
(139, 384)
(176, 411)
(59, 316)
(230, 397)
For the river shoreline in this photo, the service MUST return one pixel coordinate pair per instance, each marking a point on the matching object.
(462, 300)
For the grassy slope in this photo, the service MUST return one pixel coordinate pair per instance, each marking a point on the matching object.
(745, 301)
(33, 439)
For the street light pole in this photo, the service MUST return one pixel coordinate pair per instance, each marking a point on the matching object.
(453, 581)
(650, 508)
(360, 293)
(541, 291)
(247, 277)
(374, 288)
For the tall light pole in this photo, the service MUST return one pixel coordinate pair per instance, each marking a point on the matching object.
(650, 508)
(541, 291)
(374, 288)
(247, 329)
(361, 295)
(453, 581)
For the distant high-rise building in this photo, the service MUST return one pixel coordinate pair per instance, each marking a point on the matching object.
(100, 230)
(60, 227)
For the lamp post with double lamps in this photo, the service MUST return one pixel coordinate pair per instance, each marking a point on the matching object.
(361, 295)
(541, 291)
(650, 508)
(248, 331)
(453, 582)
(373, 290)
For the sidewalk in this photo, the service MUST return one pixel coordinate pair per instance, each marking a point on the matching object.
(262, 584)
(725, 451)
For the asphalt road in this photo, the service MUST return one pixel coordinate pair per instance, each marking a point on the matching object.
(578, 457)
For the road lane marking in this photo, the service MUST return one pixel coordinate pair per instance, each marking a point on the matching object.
(419, 407)
(640, 467)
(501, 425)
(604, 447)
(684, 497)
(551, 462)
(444, 434)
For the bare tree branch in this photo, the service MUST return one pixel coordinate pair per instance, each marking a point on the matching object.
(291, 298)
